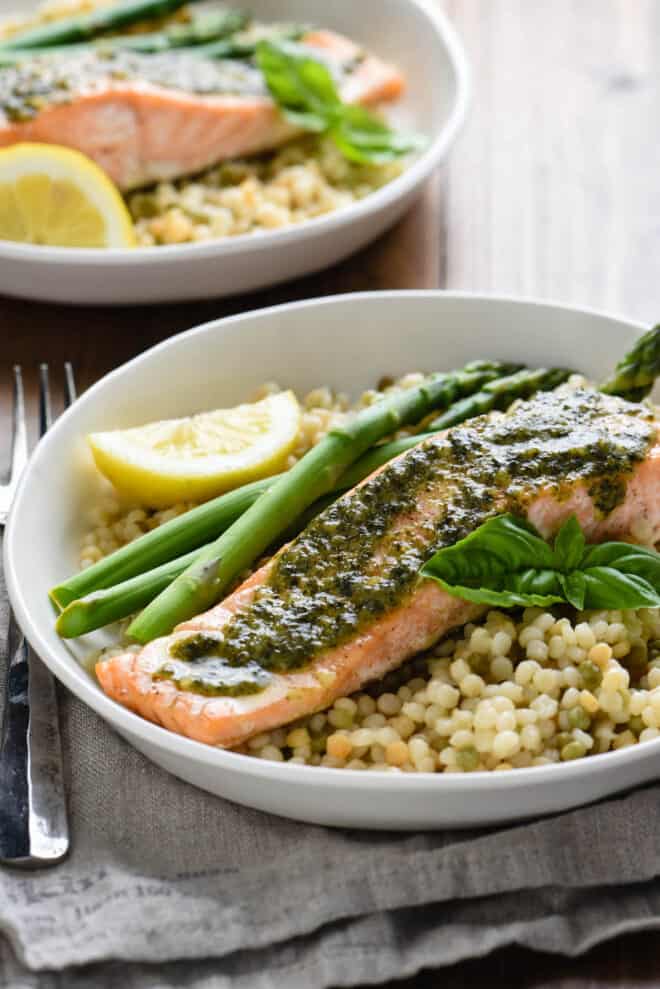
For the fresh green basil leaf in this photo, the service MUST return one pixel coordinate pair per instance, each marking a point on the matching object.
(610, 588)
(505, 563)
(362, 137)
(574, 586)
(502, 597)
(302, 86)
(569, 545)
(501, 546)
(626, 558)
(365, 129)
(305, 120)
(361, 155)
(306, 94)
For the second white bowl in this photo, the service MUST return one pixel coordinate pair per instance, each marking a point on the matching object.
(416, 36)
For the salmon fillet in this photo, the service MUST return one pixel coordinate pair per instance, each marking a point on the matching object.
(572, 451)
(146, 118)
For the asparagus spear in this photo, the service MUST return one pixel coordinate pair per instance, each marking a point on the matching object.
(196, 527)
(111, 605)
(199, 38)
(203, 29)
(499, 394)
(82, 27)
(316, 474)
(179, 535)
(635, 375)
(244, 44)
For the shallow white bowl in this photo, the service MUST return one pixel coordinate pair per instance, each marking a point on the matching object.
(348, 342)
(412, 33)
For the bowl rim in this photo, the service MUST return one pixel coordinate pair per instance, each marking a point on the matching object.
(132, 725)
(416, 173)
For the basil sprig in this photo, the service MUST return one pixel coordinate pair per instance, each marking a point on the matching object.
(506, 563)
(305, 92)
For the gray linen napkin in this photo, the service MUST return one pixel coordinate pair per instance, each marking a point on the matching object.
(168, 886)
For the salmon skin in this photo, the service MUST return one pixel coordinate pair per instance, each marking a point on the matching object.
(147, 118)
(343, 604)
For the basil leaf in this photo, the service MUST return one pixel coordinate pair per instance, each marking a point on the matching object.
(626, 558)
(532, 589)
(503, 562)
(610, 588)
(363, 138)
(302, 86)
(569, 545)
(306, 94)
(574, 586)
(502, 546)
(506, 563)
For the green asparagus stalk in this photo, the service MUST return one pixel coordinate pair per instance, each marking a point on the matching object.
(316, 474)
(499, 394)
(82, 27)
(206, 522)
(211, 36)
(202, 29)
(180, 535)
(635, 375)
(114, 603)
(244, 44)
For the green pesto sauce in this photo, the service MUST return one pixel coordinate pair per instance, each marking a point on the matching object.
(29, 86)
(211, 674)
(361, 556)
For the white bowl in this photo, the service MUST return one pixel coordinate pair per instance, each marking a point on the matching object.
(412, 33)
(348, 342)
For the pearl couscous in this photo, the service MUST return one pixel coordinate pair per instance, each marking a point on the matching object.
(510, 691)
(515, 689)
(304, 179)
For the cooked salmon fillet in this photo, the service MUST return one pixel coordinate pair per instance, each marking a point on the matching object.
(146, 118)
(573, 451)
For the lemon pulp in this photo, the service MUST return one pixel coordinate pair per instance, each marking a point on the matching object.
(59, 197)
(201, 456)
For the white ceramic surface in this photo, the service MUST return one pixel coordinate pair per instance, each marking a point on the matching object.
(414, 34)
(348, 342)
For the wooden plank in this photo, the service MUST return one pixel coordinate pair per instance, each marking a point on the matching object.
(554, 188)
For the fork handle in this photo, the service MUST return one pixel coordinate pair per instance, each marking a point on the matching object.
(33, 821)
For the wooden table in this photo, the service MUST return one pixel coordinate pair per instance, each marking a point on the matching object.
(552, 191)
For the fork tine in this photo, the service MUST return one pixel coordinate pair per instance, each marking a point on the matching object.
(45, 413)
(19, 447)
(70, 393)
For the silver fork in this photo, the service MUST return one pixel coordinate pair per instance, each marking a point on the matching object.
(33, 823)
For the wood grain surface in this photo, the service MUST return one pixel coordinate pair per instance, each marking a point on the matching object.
(553, 190)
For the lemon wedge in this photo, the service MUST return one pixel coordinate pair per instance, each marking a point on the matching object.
(199, 457)
(56, 196)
